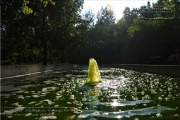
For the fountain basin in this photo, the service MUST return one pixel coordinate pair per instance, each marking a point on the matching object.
(124, 94)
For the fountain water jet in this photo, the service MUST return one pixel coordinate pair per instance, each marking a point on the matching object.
(94, 76)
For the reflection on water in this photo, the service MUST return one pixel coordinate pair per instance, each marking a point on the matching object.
(122, 94)
(94, 90)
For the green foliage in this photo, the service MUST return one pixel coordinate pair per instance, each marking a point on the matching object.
(45, 31)
(28, 10)
(106, 16)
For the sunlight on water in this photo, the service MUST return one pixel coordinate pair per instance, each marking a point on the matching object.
(122, 94)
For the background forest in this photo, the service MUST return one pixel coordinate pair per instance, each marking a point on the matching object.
(46, 31)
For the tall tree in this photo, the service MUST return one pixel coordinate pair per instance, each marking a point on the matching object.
(17, 35)
(129, 15)
(41, 19)
(105, 19)
(106, 16)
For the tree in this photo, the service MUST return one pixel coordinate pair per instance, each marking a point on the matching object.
(129, 15)
(64, 17)
(105, 19)
(38, 20)
(18, 41)
(106, 16)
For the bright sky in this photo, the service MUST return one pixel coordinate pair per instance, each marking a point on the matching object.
(117, 5)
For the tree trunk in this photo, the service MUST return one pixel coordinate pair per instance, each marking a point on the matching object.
(44, 43)
(44, 40)
(41, 32)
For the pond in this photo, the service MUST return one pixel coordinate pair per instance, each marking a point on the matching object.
(62, 95)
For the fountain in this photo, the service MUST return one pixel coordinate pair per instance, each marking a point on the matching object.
(94, 76)
(62, 94)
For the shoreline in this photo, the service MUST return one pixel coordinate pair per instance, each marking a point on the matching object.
(23, 70)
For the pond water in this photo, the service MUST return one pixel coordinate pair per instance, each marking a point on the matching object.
(62, 95)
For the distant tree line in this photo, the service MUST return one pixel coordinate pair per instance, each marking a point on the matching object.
(56, 32)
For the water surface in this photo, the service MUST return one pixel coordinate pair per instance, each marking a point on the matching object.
(62, 95)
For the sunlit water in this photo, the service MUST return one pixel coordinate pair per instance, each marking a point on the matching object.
(62, 95)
